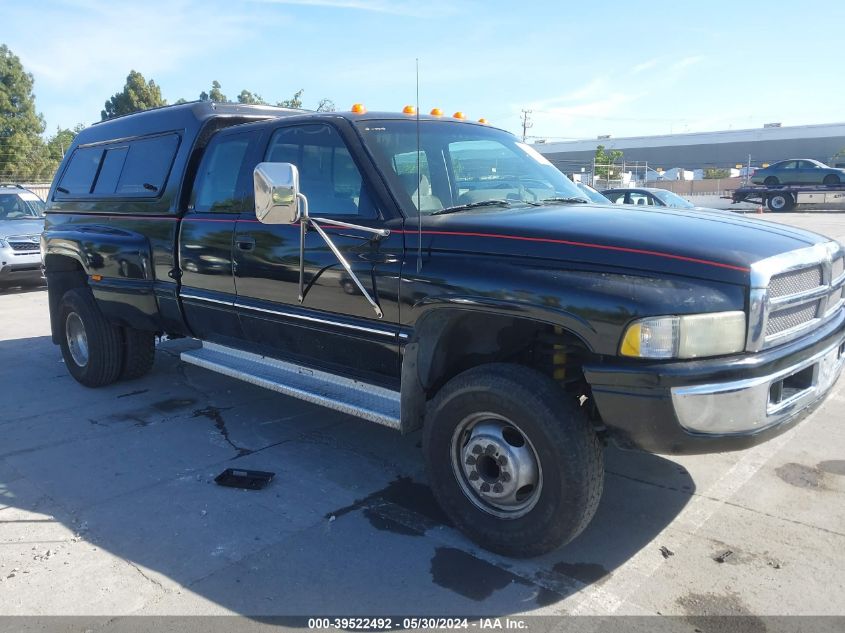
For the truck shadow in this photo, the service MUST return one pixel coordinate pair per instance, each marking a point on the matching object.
(348, 525)
(22, 290)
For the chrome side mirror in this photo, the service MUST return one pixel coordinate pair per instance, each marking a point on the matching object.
(278, 201)
(277, 194)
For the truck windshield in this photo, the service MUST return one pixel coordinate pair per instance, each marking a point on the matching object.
(462, 165)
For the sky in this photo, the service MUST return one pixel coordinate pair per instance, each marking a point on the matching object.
(583, 68)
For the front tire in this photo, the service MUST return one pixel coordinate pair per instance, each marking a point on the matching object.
(512, 459)
(780, 202)
(91, 346)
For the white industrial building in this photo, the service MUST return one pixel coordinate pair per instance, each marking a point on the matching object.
(700, 150)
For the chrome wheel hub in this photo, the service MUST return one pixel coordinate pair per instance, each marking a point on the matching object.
(496, 465)
(77, 339)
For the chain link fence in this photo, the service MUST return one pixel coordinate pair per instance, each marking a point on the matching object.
(605, 175)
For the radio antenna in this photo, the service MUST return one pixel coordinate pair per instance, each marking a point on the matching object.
(419, 176)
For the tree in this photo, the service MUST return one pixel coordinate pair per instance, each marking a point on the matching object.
(604, 161)
(58, 144)
(326, 105)
(23, 154)
(713, 173)
(215, 94)
(294, 102)
(138, 94)
(248, 98)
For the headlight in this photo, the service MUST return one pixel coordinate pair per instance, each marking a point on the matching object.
(687, 336)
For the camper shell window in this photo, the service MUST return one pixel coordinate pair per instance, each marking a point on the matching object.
(136, 168)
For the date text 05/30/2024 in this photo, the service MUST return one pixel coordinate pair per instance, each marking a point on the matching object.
(386, 624)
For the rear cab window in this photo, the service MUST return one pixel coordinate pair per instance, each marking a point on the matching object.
(221, 182)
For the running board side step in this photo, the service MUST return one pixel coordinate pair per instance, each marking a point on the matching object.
(360, 399)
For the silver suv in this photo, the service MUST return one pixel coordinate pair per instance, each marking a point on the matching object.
(21, 224)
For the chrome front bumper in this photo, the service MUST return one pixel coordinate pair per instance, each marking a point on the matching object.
(752, 405)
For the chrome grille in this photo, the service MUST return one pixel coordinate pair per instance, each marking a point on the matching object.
(789, 318)
(838, 268)
(24, 247)
(794, 292)
(24, 243)
(795, 282)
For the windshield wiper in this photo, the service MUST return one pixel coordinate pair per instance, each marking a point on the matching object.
(472, 205)
(568, 200)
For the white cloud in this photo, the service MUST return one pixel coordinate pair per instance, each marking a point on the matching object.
(593, 109)
(686, 62)
(594, 88)
(646, 65)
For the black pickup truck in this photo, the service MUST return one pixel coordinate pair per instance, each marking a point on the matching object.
(427, 272)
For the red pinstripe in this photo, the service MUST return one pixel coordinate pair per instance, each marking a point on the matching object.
(521, 238)
(548, 240)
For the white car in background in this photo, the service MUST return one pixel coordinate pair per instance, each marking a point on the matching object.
(21, 224)
(651, 197)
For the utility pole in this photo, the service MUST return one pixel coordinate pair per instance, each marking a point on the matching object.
(526, 123)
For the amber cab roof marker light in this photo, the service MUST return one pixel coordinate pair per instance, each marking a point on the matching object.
(459, 115)
(409, 109)
(483, 121)
(358, 108)
(436, 112)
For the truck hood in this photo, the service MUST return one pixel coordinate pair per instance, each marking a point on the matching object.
(706, 244)
(21, 227)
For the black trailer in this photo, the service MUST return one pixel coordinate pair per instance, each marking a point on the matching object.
(786, 197)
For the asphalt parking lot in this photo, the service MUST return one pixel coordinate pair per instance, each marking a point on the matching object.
(108, 507)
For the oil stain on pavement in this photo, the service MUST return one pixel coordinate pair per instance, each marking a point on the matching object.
(706, 612)
(405, 493)
(810, 477)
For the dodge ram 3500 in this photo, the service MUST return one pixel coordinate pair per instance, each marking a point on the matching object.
(427, 272)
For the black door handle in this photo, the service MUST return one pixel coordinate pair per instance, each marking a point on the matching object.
(245, 242)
